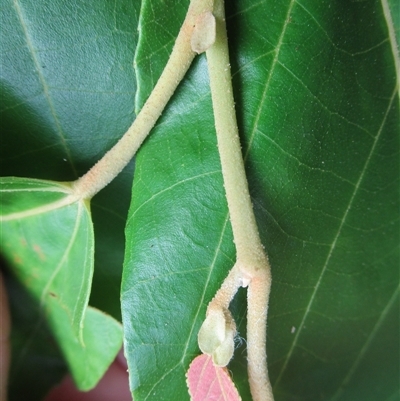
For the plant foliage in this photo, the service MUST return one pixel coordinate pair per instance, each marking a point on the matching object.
(317, 99)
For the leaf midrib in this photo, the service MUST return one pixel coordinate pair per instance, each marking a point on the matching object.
(67, 201)
(392, 38)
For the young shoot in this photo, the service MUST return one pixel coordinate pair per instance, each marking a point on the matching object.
(252, 267)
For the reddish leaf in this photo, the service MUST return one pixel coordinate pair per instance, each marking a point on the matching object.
(208, 382)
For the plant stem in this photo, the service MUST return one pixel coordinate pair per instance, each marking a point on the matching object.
(252, 261)
(249, 248)
(112, 163)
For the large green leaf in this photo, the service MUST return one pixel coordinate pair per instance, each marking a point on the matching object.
(318, 108)
(87, 75)
(67, 95)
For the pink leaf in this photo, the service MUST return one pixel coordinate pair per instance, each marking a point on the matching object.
(208, 382)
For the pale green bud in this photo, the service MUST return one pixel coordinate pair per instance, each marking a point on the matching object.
(216, 336)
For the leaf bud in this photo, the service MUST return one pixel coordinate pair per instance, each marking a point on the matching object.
(216, 336)
(204, 33)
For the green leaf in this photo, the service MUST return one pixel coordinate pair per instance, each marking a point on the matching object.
(318, 109)
(67, 95)
(47, 236)
(88, 360)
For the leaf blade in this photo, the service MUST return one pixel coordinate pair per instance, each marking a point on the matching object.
(319, 137)
(52, 255)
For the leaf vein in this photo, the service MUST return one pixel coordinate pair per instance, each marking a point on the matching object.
(201, 303)
(325, 171)
(170, 188)
(326, 108)
(333, 246)
(333, 43)
(367, 344)
(43, 82)
(269, 78)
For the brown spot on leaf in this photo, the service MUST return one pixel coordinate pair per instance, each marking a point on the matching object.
(17, 259)
(39, 252)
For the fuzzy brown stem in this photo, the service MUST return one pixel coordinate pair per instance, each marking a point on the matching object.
(106, 169)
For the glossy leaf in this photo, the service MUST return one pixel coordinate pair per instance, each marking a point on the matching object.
(47, 236)
(79, 40)
(318, 108)
(67, 95)
(208, 382)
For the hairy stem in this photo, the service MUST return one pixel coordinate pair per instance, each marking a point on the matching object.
(252, 263)
(257, 308)
(106, 169)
